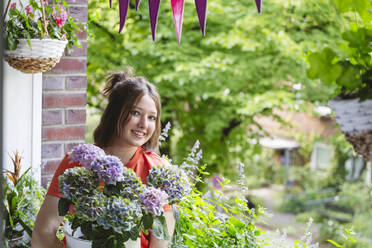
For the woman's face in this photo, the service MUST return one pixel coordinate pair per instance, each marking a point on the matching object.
(142, 122)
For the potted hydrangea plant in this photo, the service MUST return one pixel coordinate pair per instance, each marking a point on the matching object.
(111, 206)
(349, 71)
(36, 34)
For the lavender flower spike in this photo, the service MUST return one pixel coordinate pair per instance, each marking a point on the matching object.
(164, 133)
(85, 154)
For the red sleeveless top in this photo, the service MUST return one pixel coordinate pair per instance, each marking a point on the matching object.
(141, 163)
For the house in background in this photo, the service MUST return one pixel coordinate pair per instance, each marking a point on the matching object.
(285, 139)
(44, 113)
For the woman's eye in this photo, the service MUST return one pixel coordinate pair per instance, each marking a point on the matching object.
(135, 113)
(152, 118)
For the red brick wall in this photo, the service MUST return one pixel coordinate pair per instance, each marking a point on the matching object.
(64, 101)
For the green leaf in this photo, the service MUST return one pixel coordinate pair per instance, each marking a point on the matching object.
(176, 213)
(133, 233)
(26, 20)
(159, 228)
(40, 28)
(63, 206)
(323, 66)
(65, 4)
(26, 227)
(361, 6)
(147, 221)
(11, 42)
(350, 78)
(334, 243)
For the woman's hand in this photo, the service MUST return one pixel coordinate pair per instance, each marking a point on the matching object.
(157, 243)
(46, 225)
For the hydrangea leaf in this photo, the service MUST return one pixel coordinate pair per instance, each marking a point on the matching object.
(63, 206)
(147, 221)
(177, 8)
(159, 228)
(176, 213)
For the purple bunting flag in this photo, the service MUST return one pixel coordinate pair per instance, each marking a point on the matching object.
(258, 4)
(154, 11)
(137, 3)
(123, 10)
(177, 8)
(201, 9)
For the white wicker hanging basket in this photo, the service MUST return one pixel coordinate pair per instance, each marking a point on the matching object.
(43, 55)
(355, 120)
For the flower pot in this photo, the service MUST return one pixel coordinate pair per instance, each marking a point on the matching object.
(355, 120)
(73, 241)
(41, 57)
(19, 241)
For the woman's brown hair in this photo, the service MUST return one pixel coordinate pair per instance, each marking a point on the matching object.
(124, 90)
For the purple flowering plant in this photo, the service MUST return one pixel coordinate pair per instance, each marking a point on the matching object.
(120, 210)
(171, 180)
(26, 22)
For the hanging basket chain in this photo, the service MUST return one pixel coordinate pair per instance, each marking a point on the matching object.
(6, 10)
(45, 24)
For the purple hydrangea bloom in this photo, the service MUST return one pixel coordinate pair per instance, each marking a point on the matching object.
(131, 186)
(171, 180)
(66, 193)
(153, 200)
(108, 168)
(121, 214)
(90, 208)
(85, 154)
(77, 182)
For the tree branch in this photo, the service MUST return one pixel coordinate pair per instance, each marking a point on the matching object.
(105, 30)
(232, 124)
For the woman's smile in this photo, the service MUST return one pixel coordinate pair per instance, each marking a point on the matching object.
(142, 122)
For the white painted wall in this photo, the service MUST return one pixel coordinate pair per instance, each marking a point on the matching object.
(22, 118)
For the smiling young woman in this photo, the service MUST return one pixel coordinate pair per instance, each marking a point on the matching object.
(129, 129)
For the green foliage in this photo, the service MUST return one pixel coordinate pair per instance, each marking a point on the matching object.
(22, 199)
(213, 87)
(350, 66)
(159, 228)
(27, 23)
(203, 225)
(343, 152)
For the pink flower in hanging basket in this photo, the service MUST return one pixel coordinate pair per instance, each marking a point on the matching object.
(60, 16)
(13, 6)
(29, 10)
(59, 22)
